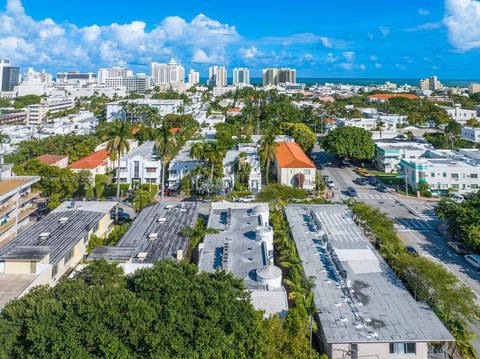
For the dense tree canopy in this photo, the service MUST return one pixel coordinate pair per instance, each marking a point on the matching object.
(350, 142)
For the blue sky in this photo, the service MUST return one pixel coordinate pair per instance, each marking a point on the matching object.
(345, 38)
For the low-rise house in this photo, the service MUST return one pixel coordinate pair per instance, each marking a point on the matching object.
(97, 163)
(293, 167)
(243, 246)
(155, 234)
(180, 166)
(369, 124)
(471, 134)
(115, 110)
(141, 165)
(362, 307)
(444, 170)
(389, 153)
(47, 250)
(54, 160)
(459, 114)
(247, 153)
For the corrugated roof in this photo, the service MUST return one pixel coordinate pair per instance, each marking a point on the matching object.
(94, 160)
(290, 155)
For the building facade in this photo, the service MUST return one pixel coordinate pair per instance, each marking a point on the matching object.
(276, 76)
(193, 77)
(166, 74)
(241, 76)
(140, 166)
(293, 168)
(471, 134)
(9, 76)
(217, 76)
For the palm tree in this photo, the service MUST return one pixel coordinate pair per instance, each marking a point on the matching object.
(117, 146)
(151, 116)
(242, 169)
(267, 152)
(166, 145)
(142, 199)
(214, 153)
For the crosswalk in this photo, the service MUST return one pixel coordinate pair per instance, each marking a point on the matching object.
(370, 196)
(415, 224)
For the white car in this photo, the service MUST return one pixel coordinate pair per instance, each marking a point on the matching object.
(330, 184)
(246, 199)
(457, 198)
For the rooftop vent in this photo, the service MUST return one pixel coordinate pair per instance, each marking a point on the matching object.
(168, 206)
(153, 235)
(63, 220)
(162, 219)
(142, 255)
(44, 235)
(179, 255)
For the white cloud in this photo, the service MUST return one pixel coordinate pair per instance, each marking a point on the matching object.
(331, 58)
(384, 30)
(373, 58)
(378, 66)
(348, 66)
(249, 53)
(302, 38)
(462, 20)
(423, 12)
(349, 56)
(325, 41)
(401, 67)
(426, 26)
(30, 42)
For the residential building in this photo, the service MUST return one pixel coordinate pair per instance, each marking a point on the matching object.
(217, 76)
(444, 170)
(193, 77)
(275, 76)
(166, 74)
(115, 110)
(389, 153)
(9, 76)
(97, 163)
(222, 90)
(60, 161)
(248, 154)
(38, 114)
(208, 129)
(369, 124)
(17, 202)
(155, 234)
(293, 168)
(141, 166)
(243, 246)
(241, 76)
(460, 115)
(138, 83)
(432, 83)
(363, 308)
(52, 247)
(180, 166)
(383, 97)
(76, 77)
(473, 88)
(14, 117)
(107, 76)
(471, 134)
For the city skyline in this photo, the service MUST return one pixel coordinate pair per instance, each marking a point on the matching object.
(341, 40)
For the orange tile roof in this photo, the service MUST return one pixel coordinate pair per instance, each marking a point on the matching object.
(174, 130)
(92, 161)
(291, 155)
(235, 109)
(50, 159)
(388, 96)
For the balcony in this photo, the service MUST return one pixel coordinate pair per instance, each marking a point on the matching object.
(7, 207)
(9, 224)
(25, 212)
(29, 196)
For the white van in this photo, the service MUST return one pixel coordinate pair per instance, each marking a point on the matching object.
(473, 260)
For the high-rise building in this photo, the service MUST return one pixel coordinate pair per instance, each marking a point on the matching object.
(275, 76)
(193, 77)
(217, 76)
(474, 88)
(9, 76)
(241, 76)
(165, 74)
(107, 74)
(431, 84)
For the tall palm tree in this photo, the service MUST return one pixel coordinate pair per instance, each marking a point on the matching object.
(117, 146)
(267, 152)
(165, 145)
(214, 154)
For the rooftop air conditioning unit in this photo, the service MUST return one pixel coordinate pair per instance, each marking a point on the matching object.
(44, 235)
(63, 220)
(168, 206)
(162, 219)
(142, 255)
(153, 236)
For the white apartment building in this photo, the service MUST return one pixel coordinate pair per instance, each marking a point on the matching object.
(193, 77)
(247, 153)
(459, 114)
(473, 88)
(444, 170)
(37, 114)
(111, 74)
(275, 76)
(222, 90)
(165, 107)
(388, 154)
(432, 83)
(166, 74)
(369, 124)
(141, 166)
(471, 134)
(76, 78)
(241, 76)
(217, 76)
(180, 166)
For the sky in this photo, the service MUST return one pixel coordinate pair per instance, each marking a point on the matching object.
(344, 38)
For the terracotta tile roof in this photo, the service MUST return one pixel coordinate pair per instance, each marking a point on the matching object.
(50, 159)
(290, 155)
(175, 130)
(387, 96)
(92, 161)
(235, 110)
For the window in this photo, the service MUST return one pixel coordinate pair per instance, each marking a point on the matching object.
(307, 172)
(85, 239)
(136, 169)
(95, 228)
(68, 256)
(55, 270)
(151, 170)
(454, 175)
(455, 186)
(403, 348)
(474, 175)
(474, 186)
(432, 174)
(444, 174)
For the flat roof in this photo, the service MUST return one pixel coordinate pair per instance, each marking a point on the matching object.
(235, 249)
(62, 236)
(12, 184)
(116, 254)
(92, 206)
(371, 304)
(12, 285)
(165, 221)
(145, 150)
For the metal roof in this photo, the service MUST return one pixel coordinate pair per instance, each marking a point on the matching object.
(370, 304)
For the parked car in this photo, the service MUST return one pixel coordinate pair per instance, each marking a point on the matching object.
(362, 181)
(346, 163)
(372, 180)
(411, 250)
(361, 171)
(112, 212)
(330, 184)
(457, 198)
(246, 199)
(458, 248)
(473, 260)
(352, 192)
(382, 188)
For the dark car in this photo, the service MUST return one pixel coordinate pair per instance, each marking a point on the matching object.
(120, 212)
(352, 192)
(372, 180)
(362, 181)
(382, 188)
(411, 250)
(458, 248)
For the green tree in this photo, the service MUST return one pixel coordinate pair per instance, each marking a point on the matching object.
(166, 146)
(117, 146)
(142, 199)
(350, 142)
(267, 151)
(302, 134)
